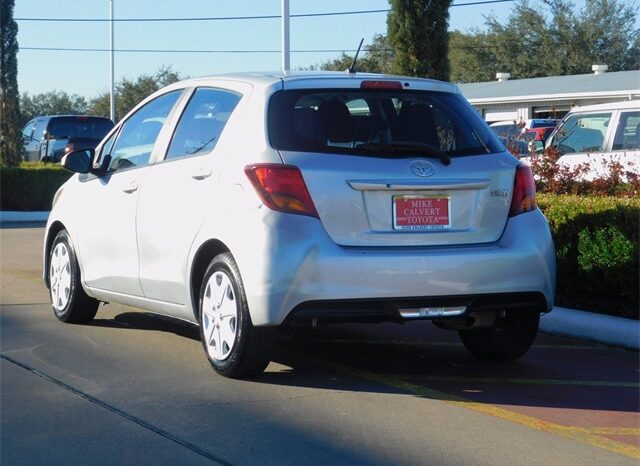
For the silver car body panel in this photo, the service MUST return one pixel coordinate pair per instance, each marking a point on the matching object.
(350, 252)
(354, 197)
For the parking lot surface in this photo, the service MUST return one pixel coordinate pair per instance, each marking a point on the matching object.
(135, 388)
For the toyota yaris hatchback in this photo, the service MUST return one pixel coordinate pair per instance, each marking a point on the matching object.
(247, 202)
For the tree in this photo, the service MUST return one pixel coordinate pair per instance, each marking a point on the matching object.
(470, 59)
(606, 28)
(549, 38)
(374, 58)
(129, 93)
(11, 145)
(417, 31)
(51, 103)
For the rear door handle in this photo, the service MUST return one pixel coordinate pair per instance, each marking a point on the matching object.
(133, 187)
(201, 174)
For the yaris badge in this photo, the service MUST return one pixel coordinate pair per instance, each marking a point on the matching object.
(422, 168)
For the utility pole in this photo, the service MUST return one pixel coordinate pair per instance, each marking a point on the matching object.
(112, 103)
(285, 36)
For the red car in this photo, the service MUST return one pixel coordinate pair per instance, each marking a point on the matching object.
(539, 134)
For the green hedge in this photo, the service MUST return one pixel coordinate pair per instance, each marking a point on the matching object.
(30, 186)
(596, 241)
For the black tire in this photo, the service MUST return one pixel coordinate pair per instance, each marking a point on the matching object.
(69, 301)
(249, 352)
(509, 338)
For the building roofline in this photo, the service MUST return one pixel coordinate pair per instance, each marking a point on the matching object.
(627, 94)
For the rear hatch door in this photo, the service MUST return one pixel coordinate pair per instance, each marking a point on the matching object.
(390, 165)
(372, 201)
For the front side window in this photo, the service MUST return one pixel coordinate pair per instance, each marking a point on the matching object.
(107, 146)
(628, 132)
(202, 122)
(27, 131)
(40, 129)
(138, 135)
(379, 122)
(582, 133)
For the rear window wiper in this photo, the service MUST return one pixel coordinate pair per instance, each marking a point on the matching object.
(425, 150)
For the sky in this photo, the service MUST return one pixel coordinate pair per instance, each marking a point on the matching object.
(87, 73)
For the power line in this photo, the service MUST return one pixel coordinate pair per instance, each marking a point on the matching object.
(71, 49)
(217, 18)
(247, 51)
(237, 18)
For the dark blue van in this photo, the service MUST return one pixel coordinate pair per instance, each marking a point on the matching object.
(48, 138)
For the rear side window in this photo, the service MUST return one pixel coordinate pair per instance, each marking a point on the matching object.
(582, 133)
(202, 122)
(628, 132)
(363, 121)
(79, 128)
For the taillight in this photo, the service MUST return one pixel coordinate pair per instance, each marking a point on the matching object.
(524, 191)
(281, 188)
(397, 85)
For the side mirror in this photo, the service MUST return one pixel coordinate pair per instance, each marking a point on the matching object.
(78, 161)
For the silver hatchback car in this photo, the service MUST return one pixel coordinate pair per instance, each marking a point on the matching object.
(247, 202)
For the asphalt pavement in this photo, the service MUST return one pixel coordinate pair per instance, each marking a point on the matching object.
(132, 387)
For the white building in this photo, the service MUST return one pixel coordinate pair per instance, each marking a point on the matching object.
(551, 97)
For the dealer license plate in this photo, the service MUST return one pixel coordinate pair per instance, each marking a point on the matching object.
(421, 212)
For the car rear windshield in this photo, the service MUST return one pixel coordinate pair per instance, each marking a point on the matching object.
(79, 128)
(381, 122)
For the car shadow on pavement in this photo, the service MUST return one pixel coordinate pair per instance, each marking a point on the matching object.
(421, 359)
(555, 373)
(148, 321)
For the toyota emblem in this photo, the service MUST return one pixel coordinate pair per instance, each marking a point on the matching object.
(422, 168)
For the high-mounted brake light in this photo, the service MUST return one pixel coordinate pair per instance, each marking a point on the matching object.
(524, 191)
(281, 188)
(381, 85)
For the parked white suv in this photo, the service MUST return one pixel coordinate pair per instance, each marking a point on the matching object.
(599, 135)
(246, 202)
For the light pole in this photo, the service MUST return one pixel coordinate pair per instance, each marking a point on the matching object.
(112, 102)
(285, 36)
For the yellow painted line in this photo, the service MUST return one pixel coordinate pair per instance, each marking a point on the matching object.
(446, 343)
(507, 380)
(634, 431)
(576, 434)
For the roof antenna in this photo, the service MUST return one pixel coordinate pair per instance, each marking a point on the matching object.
(352, 68)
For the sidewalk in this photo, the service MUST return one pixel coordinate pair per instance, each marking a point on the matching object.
(582, 325)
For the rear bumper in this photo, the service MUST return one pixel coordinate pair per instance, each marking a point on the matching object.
(391, 309)
(305, 272)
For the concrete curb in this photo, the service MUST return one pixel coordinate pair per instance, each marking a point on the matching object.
(599, 328)
(18, 217)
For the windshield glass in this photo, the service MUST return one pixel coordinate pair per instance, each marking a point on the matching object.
(582, 133)
(79, 127)
(381, 122)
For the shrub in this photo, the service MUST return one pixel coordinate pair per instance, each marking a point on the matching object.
(555, 178)
(30, 186)
(596, 241)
